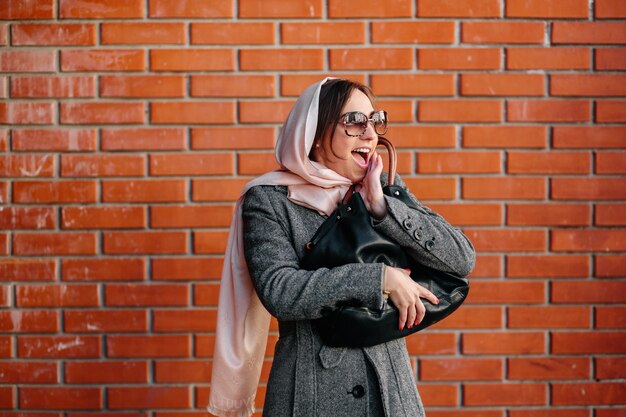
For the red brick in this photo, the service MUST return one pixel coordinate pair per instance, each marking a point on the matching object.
(487, 266)
(101, 9)
(198, 320)
(98, 321)
(232, 86)
(60, 398)
(54, 243)
(281, 59)
(609, 412)
(252, 9)
(53, 34)
(219, 137)
(459, 111)
(504, 188)
(190, 8)
(423, 32)
(401, 110)
(548, 58)
(102, 165)
(192, 112)
(610, 59)
(458, 162)
(422, 136)
(588, 240)
(551, 9)
(293, 84)
(144, 242)
(217, 189)
(143, 139)
(66, 140)
(148, 397)
(322, 33)
(54, 192)
(432, 188)
(473, 317)
(480, 412)
(463, 369)
(102, 113)
(28, 373)
(371, 58)
(190, 216)
(26, 113)
(610, 214)
(588, 342)
(551, 317)
(548, 111)
(505, 394)
(368, 8)
(459, 59)
(146, 295)
(502, 32)
(28, 165)
(27, 61)
(513, 343)
(548, 162)
(59, 346)
(608, 9)
(589, 137)
(548, 214)
(103, 269)
(144, 191)
(186, 269)
(502, 85)
(56, 296)
(504, 136)
(610, 163)
(507, 292)
(4, 34)
(413, 85)
(610, 318)
(610, 368)
(21, 321)
(103, 60)
(588, 291)
(233, 33)
(81, 372)
(210, 242)
(26, 9)
(456, 8)
(587, 85)
(439, 395)
(27, 270)
(547, 266)
(256, 163)
(191, 164)
(137, 86)
(589, 33)
(470, 214)
(192, 60)
(103, 217)
(610, 265)
(263, 112)
(601, 393)
(610, 111)
(588, 189)
(182, 371)
(50, 87)
(206, 295)
(143, 33)
(148, 346)
(549, 368)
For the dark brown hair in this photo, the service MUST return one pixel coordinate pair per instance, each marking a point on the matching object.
(334, 94)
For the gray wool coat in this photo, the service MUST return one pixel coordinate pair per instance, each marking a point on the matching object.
(309, 379)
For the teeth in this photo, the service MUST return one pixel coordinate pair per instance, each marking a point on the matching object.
(363, 150)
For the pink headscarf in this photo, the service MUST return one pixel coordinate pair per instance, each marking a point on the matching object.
(242, 321)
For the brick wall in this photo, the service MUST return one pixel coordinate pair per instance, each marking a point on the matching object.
(131, 126)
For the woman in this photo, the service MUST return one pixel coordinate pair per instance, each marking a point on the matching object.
(327, 144)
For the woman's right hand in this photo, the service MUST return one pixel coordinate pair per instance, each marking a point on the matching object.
(405, 295)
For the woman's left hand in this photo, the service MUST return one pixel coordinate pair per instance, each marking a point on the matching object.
(371, 190)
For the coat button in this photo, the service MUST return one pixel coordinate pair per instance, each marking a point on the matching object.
(429, 245)
(416, 235)
(358, 391)
(408, 224)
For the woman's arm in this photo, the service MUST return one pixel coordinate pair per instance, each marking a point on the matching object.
(291, 293)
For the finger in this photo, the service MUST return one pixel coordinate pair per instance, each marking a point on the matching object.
(424, 293)
(412, 315)
(403, 314)
(421, 312)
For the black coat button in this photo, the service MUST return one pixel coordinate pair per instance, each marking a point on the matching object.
(429, 245)
(358, 391)
(408, 224)
(417, 235)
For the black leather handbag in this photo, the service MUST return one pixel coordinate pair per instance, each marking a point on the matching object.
(347, 236)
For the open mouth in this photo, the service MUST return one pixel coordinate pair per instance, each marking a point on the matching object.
(361, 156)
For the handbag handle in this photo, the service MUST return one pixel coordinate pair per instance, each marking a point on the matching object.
(393, 158)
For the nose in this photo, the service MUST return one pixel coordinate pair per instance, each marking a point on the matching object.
(370, 132)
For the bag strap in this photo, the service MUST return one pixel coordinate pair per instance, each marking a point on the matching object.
(393, 158)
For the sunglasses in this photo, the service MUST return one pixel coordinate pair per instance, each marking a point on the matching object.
(355, 122)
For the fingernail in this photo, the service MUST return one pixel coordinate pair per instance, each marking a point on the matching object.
(407, 270)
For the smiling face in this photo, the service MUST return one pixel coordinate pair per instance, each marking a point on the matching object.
(348, 156)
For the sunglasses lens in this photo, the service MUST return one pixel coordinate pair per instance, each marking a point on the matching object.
(380, 122)
(356, 123)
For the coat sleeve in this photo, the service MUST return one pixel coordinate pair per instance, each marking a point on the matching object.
(286, 291)
(426, 236)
